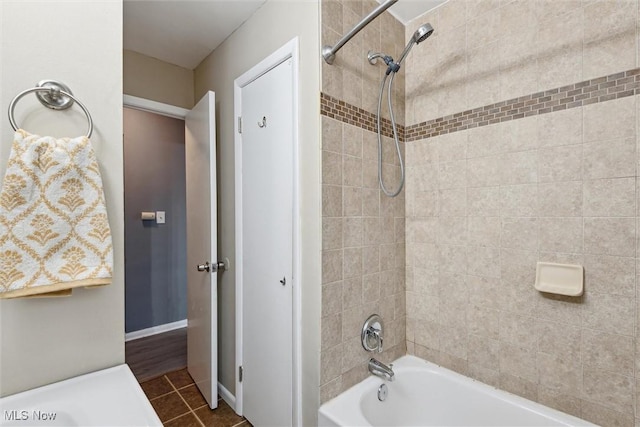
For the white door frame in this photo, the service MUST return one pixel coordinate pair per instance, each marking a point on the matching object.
(286, 52)
(154, 107)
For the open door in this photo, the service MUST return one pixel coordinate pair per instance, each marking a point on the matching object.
(202, 224)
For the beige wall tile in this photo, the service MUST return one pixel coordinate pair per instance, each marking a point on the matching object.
(331, 266)
(610, 197)
(352, 263)
(559, 339)
(483, 321)
(559, 374)
(610, 236)
(331, 364)
(352, 201)
(331, 233)
(610, 390)
(609, 159)
(483, 171)
(484, 231)
(452, 230)
(519, 168)
(610, 120)
(564, 402)
(519, 386)
(353, 232)
(352, 140)
(606, 55)
(453, 202)
(520, 233)
(560, 199)
(484, 352)
(558, 308)
(519, 135)
(518, 361)
(485, 141)
(518, 330)
(352, 293)
(563, 163)
(562, 127)
(452, 259)
(483, 261)
(331, 168)
(331, 135)
(609, 313)
(331, 331)
(483, 201)
(519, 200)
(561, 234)
(331, 299)
(611, 275)
(609, 352)
(331, 201)
(452, 174)
(604, 416)
(331, 389)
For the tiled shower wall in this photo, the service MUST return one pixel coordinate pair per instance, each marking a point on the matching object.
(548, 177)
(363, 230)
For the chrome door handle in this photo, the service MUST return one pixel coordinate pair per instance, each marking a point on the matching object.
(216, 266)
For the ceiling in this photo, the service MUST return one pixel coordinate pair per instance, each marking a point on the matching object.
(184, 32)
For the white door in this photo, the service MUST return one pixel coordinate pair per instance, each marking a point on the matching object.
(267, 247)
(202, 305)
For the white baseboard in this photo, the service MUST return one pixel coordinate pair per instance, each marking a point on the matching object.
(227, 396)
(155, 330)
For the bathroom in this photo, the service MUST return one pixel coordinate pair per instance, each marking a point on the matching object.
(450, 262)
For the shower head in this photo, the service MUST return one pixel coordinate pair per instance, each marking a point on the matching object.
(421, 34)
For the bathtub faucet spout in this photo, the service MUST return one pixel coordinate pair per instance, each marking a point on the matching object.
(381, 370)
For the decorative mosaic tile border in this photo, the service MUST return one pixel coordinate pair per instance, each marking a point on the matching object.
(347, 113)
(601, 89)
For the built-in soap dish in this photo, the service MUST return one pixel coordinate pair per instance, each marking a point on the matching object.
(561, 279)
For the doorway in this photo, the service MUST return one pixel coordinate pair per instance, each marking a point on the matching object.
(155, 247)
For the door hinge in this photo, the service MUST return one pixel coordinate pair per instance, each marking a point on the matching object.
(239, 124)
(240, 373)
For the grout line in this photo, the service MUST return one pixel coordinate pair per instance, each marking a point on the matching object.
(186, 403)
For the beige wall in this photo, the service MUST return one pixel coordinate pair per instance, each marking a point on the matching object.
(363, 230)
(485, 204)
(153, 79)
(274, 24)
(47, 340)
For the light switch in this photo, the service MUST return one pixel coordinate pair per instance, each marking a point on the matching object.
(160, 217)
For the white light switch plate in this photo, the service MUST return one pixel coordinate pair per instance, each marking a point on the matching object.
(160, 217)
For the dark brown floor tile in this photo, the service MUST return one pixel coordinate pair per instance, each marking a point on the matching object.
(169, 406)
(156, 387)
(188, 420)
(193, 396)
(223, 416)
(180, 378)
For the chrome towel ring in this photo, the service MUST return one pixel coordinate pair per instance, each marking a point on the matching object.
(52, 94)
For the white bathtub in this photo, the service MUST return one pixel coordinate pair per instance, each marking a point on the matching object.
(424, 394)
(111, 397)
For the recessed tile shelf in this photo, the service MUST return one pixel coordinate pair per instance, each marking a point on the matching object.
(560, 279)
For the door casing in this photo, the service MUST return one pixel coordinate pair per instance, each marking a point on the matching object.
(289, 51)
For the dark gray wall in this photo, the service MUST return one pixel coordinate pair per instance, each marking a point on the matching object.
(155, 254)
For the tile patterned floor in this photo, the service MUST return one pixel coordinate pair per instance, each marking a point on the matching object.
(178, 403)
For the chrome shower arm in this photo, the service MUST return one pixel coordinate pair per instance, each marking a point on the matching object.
(329, 52)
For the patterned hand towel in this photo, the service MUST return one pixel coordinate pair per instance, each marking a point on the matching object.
(54, 231)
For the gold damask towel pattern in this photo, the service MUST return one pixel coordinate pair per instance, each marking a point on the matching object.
(54, 230)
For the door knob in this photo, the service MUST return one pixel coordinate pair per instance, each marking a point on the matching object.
(216, 266)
